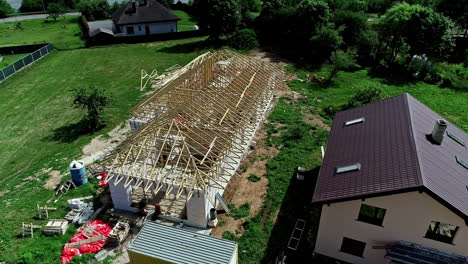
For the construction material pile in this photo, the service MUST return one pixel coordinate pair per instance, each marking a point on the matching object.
(90, 239)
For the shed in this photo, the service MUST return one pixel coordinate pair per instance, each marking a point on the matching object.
(161, 244)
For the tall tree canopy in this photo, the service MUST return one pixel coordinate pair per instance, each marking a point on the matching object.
(5, 9)
(422, 29)
(219, 17)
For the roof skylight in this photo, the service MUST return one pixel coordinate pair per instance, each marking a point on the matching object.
(352, 167)
(462, 162)
(452, 136)
(354, 121)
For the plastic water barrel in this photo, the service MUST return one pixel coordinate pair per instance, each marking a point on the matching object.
(77, 171)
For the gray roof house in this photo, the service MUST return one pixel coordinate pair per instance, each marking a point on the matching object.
(394, 186)
(144, 17)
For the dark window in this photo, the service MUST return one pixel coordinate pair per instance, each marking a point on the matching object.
(461, 162)
(441, 232)
(130, 30)
(372, 215)
(353, 247)
(139, 28)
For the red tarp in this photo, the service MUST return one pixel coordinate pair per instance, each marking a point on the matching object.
(102, 181)
(70, 252)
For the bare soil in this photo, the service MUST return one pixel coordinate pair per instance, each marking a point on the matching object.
(54, 180)
(240, 190)
(314, 119)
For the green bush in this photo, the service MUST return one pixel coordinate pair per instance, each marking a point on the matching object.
(229, 236)
(31, 6)
(244, 39)
(5, 9)
(241, 212)
(253, 177)
(361, 97)
(453, 76)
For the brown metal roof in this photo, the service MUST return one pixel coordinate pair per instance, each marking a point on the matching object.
(151, 11)
(394, 154)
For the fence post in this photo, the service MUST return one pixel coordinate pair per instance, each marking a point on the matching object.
(40, 52)
(14, 68)
(3, 74)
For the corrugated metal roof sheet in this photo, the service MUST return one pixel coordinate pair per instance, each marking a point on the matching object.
(410, 253)
(394, 154)
(181, 246)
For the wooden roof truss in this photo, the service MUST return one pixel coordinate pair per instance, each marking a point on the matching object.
(197, 127)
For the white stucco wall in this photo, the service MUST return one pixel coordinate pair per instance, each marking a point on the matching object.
(154, 28)
(407, 218)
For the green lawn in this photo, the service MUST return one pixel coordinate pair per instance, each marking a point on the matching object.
(449, 103)
(37, 128)
(9, 59)
(187, 21)
(64, 33)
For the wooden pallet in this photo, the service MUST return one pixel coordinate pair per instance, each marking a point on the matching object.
(77, 244)
(56, 226)
(44, 211)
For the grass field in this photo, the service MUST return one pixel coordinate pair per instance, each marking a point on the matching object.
(187, 21)
(38, 124)
(266, 234)
(64, 33)
(9, 59)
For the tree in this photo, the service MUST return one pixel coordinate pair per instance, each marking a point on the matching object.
(457, 10)
(94, 9)
(244, 39)
(166, 3)
(5, 9)
(31, 6)
(55, 10)
(219, 17)
(341, 60)
(93, 100)
(422, 29)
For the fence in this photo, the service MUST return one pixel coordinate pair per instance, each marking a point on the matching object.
(23, 62)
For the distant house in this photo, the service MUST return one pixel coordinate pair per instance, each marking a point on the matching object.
(144, 17)
(394, 186)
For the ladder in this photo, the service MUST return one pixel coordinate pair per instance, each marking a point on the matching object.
(63, 189)
(296, 234)
(222, 203)
(28, 229)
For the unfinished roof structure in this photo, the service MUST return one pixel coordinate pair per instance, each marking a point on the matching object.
(196, 129)
(386, 147)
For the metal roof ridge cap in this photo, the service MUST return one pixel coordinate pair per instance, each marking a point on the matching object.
(414, 146)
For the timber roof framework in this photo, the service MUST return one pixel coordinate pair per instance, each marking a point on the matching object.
(197, 127)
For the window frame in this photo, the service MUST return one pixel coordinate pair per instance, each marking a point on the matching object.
(355, 121)
(350, 252)
(371, 222)
(441, 238)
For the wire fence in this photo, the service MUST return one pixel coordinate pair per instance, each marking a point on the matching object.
(25, 61)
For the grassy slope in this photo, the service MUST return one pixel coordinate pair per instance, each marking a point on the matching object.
(449, 103)
(9, 59)
(262, 245)
(65, 33)
(187, 22)
(36, 102)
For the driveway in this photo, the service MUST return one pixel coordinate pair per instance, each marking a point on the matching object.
(29, 17)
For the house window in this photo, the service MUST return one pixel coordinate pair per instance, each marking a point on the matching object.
(130, 30)
(353, 247)
(139, 28)
(441, 232)
(371, 215)
(352, 167)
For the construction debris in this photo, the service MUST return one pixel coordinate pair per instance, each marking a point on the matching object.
(43, 212)
(118, 234)
(56, 226)
(28, 229)
(80, 212)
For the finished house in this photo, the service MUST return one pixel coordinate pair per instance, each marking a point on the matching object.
(394, 186)
(144, 17)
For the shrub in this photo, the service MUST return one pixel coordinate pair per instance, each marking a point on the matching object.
(241, 212)
(253, 177)
(365, 96)
(244, 39)
(5, 9)
(453, 76)
(31, 6)
(229, 236)
(93, 100)
(54, 10)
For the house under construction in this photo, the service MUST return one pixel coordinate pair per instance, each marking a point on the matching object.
(191, 135)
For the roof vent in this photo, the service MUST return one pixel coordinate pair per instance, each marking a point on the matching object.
(439, 130)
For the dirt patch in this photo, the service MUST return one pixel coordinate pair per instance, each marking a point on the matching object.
(314, 119)
(54, 180)
(100, 146)
(240, 190)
